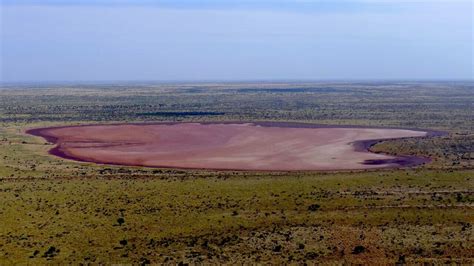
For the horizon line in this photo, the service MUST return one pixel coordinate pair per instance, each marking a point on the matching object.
(118, 82)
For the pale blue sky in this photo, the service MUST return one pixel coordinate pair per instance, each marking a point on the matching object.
(185, 40)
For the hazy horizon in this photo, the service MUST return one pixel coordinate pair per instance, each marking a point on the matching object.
(61, 41)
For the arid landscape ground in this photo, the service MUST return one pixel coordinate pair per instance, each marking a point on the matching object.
(62, 211)
(226, 146)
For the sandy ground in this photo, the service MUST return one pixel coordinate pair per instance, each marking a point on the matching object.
(223, 146)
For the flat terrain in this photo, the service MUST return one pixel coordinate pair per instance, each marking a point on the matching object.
(223, 146)
(61, 211)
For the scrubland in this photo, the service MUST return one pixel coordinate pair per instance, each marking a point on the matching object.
(59, 211)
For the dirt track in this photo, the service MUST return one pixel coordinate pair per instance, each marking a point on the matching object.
(243, 146)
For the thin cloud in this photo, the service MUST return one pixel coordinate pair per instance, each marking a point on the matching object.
(303, 6)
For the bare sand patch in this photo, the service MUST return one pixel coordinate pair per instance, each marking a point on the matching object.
(235, 146)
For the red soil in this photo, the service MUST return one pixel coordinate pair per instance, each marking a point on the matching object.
(224, 146)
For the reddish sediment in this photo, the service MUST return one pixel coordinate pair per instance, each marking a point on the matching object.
(264, 146)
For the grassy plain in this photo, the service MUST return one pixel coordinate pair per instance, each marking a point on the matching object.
(59, 211)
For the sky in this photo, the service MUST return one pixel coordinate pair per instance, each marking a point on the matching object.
(232, 40)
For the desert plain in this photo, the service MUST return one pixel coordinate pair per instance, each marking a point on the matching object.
(381, 206)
